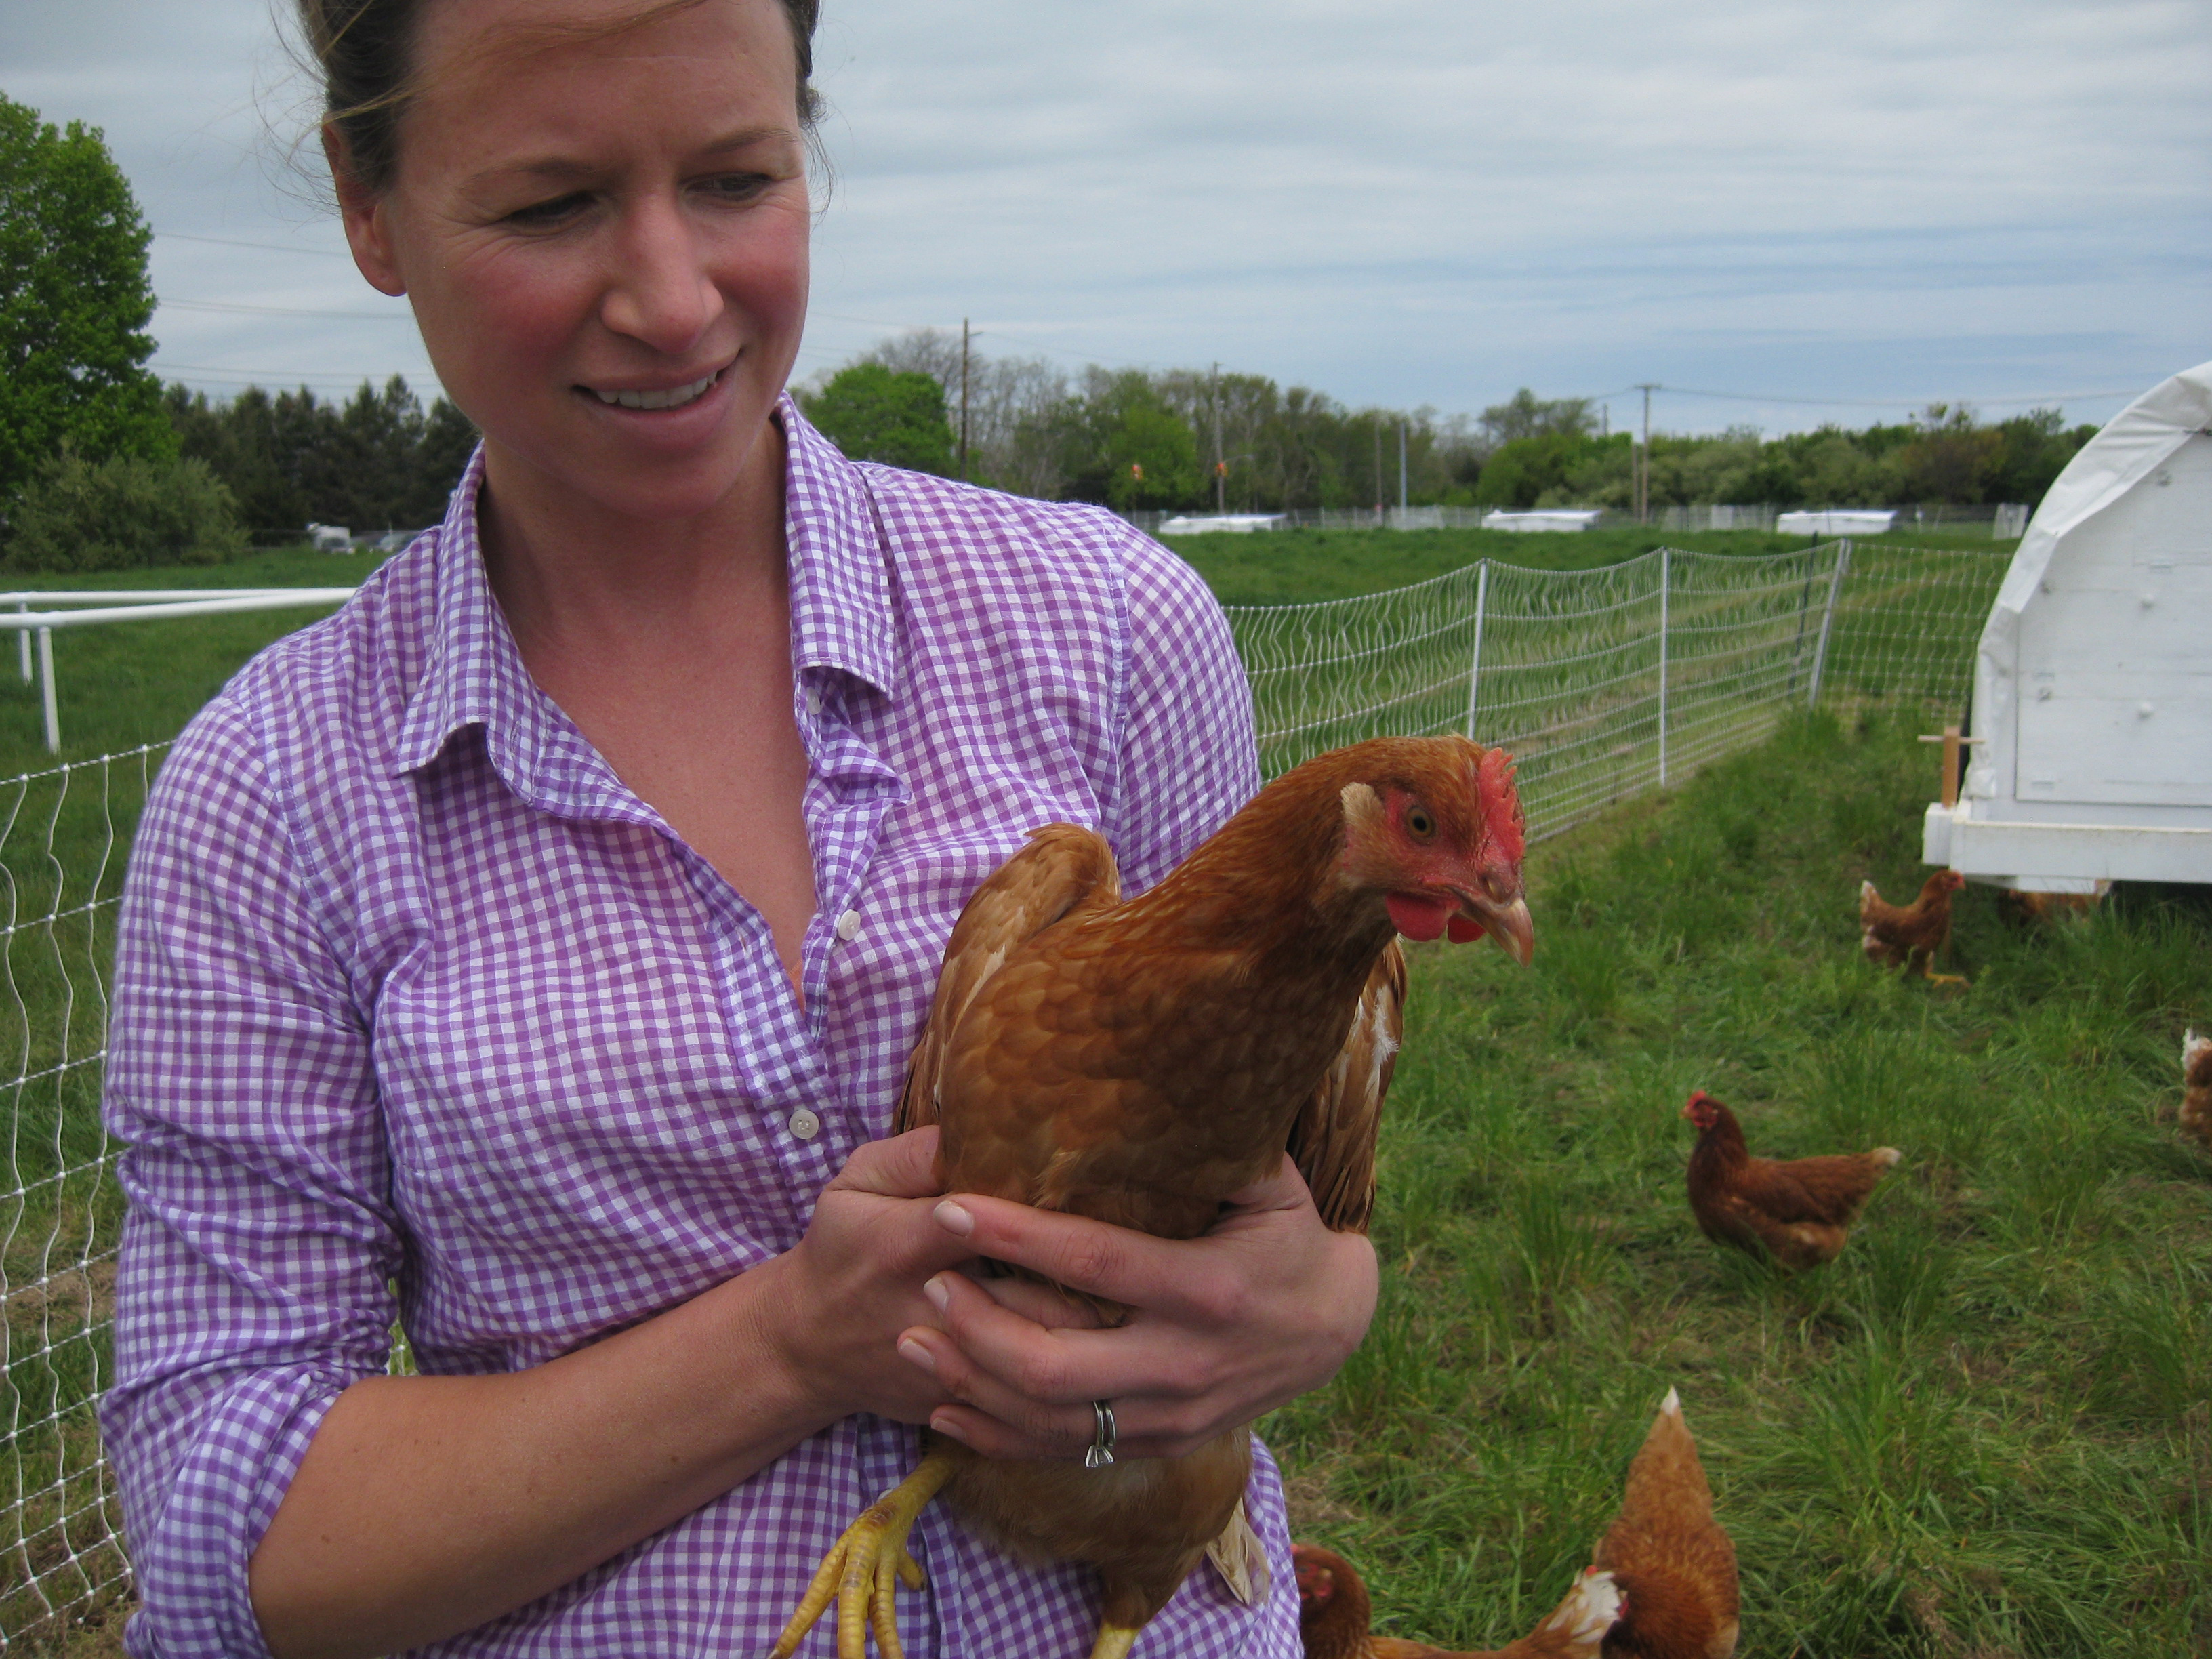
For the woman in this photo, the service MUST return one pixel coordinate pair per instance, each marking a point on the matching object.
(532, 951)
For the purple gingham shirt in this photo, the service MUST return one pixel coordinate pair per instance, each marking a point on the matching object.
(411, 991)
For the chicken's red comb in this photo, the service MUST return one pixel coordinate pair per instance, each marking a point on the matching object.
(1501, 804)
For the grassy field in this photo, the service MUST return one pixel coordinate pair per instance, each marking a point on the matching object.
(1985, 1430)
(1295, 567)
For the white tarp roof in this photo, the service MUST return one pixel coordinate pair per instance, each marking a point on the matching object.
(1548, 518)
(2093, 702)
(1837, 521)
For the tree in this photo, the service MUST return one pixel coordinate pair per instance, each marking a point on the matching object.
(877, 414)
(122, 513)
(377, 462)
(75, 300)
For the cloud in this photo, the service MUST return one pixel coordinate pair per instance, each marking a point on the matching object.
(1403, 202)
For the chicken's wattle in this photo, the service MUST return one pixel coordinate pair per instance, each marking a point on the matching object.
(1416, 915)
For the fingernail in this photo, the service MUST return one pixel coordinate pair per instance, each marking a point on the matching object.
(954, 1219)
(938, 1292)
(914, 1355)
(941, 1424)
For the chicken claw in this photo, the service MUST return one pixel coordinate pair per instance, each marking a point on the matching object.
(865, 1567)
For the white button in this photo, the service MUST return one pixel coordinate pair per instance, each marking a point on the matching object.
(813, 701)
(848, 925)
(804, 1124)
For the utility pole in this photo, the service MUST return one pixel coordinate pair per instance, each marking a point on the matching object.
(1401, 467)
(1643, 456)
(964, 337)
(1220, 468)
(1378, 471)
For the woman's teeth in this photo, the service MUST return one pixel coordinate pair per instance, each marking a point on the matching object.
(672, 399)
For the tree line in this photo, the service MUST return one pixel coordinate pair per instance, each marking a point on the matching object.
(1183, 439)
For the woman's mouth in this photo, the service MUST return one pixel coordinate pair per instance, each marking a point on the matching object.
(673, 397)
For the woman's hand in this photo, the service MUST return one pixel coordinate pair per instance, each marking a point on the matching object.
(1265, 1306)
(835, 1302)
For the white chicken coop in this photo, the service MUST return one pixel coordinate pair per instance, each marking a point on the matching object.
(2090, 731)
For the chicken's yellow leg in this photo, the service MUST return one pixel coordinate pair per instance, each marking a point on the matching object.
(1115, 1642)
(861, 1569)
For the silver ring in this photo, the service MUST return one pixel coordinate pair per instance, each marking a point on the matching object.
(1102, 1444)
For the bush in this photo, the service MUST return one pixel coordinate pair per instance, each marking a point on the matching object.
(121, 515)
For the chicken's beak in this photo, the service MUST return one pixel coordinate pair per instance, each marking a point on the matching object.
(1510, 926)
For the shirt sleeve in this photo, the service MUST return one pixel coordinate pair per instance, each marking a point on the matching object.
(1188, 755)
(259, 1248)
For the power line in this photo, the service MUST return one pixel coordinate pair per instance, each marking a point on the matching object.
(264, 247)
(233, 308)
(1884, 403)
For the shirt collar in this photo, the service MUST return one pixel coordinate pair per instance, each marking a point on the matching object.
(473, 673)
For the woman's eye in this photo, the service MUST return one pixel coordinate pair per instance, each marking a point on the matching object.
(737, 187)
(552, 212)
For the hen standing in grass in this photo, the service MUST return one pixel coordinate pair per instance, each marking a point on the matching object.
(1800, 1212)
(2196, 1087)
(1334, 1614)
(1911, 936)
(1673, 1564)
(1139, 1062)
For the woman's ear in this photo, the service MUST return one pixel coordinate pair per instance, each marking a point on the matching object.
(366, 216)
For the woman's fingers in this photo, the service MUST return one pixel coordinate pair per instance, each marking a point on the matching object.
(1022, 1390)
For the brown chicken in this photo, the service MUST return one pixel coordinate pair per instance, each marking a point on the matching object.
(2047, 909)
(1675, 1565)
(1799, 1213)
(1912, 936)
(1138, 1061)
(1334, 1615)
(2196, 1088)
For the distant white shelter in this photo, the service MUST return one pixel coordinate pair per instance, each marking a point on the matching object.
(1241, 524)
(1837, 521)
(2091, 723)
(1548, 518)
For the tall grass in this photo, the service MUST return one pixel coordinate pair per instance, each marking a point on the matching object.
(1986, 1430)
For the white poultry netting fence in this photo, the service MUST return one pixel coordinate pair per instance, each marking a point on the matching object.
(1606, 682)
(63, 836)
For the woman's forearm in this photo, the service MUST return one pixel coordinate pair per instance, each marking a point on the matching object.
(426, 1506)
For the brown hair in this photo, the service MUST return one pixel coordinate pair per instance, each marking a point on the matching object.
(361, 48)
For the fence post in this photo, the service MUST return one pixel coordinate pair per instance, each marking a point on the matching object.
(46, 676)
(1475, 668)
(1666, 569)
(1828, 620)
(23, 638)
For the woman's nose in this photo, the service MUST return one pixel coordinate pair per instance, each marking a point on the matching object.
(660, 291)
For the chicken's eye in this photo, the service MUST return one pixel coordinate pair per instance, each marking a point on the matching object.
(1419, 824)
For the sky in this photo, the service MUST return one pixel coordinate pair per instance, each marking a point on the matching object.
(1782, 212)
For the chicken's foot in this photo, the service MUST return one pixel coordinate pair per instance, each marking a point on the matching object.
(1115, 1642)
(864, 1569)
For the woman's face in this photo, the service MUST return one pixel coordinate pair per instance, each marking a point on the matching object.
(605, 241)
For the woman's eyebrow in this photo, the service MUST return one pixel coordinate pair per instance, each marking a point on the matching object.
(558, 168)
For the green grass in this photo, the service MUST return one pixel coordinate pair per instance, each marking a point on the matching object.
(1986, 1430)
(1295, 567)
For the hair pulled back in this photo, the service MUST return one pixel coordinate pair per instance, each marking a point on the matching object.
(363, 51)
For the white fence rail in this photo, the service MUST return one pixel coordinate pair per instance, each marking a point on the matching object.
(130, 604)
(1605, 683)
